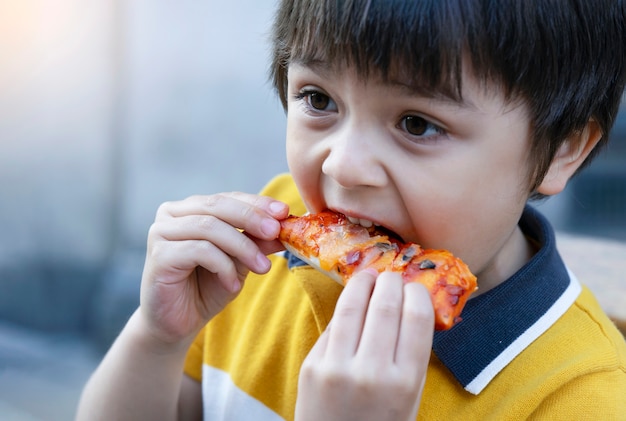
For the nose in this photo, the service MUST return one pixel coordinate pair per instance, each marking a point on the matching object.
(355, 157)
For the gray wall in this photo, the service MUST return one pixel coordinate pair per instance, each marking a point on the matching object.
(107, 109)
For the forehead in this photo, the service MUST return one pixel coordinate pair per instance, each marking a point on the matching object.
(405, 40)
(429, 45)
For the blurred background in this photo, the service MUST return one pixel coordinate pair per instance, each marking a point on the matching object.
(109, 108)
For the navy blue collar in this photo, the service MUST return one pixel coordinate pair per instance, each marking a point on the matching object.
(499, 324)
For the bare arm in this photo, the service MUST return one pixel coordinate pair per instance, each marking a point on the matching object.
(198, 256)
(190, 400)
(139, 379)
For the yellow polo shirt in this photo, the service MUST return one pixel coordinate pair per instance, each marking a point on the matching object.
(536, 347)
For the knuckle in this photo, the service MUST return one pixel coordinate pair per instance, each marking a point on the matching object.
(405, 385)
(164, 209)
(207, 223)
(348, 310)
(386, 310)
(308, 370)
(248, 213)
(225, 269)
(212, 201)
(415, 309)
(248, 218)
(245, 245)
(398, 384)
(334, 377)
(419, 314)
(331, 376)
(154, 231)
(368, 382)
(159, 253)
(205, 247)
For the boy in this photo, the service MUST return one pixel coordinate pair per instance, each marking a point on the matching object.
(438, 120)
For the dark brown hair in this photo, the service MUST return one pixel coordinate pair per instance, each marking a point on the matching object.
(563, 59)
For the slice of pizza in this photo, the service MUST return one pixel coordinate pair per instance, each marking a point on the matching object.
(332, 244)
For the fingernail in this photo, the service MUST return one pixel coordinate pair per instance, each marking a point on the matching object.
(372, 272)
(270, 227)
(235, 287)
(277, 207)
(263, 262)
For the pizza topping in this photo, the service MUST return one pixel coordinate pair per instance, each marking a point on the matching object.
(386, 246)
(427, 264)
(409, 253)
(353, 256)
(335, 245)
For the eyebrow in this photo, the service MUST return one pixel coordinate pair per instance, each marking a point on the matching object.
(437, 95)
(323, 69)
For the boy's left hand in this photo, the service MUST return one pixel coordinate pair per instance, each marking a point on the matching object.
(370, 363)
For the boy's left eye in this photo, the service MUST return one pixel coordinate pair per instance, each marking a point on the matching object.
(418, 126)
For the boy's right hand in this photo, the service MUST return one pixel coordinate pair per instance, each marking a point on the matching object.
(371, 361)
(199, 252)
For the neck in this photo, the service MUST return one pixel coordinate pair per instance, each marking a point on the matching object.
(518, 251)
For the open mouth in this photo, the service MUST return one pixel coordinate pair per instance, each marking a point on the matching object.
(359, 221)
(373, 227)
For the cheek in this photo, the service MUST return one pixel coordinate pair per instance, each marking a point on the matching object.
(291, 143)
(291, 151)
(296, 153)
(304, 170)
(471, 211)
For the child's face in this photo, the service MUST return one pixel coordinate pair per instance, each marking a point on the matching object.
(438, 172)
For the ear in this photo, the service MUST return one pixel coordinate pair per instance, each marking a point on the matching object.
(569, 158)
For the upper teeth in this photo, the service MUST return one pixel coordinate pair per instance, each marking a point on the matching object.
(363, 222)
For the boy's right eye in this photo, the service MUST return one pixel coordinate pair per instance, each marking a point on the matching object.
(317, 100)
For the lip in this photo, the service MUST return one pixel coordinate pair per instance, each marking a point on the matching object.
(377, 222)
(355, 215)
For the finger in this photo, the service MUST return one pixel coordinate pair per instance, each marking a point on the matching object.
(178, 259)
(318, 350)
(206, 203)
(269, 247)
(233, 206)
(416, 328)
(349, 315)
(240, 215)
(209, 228)
(382, 323)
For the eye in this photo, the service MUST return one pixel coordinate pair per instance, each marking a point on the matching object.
(316, 100)
(319, 101)
(419, 126)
